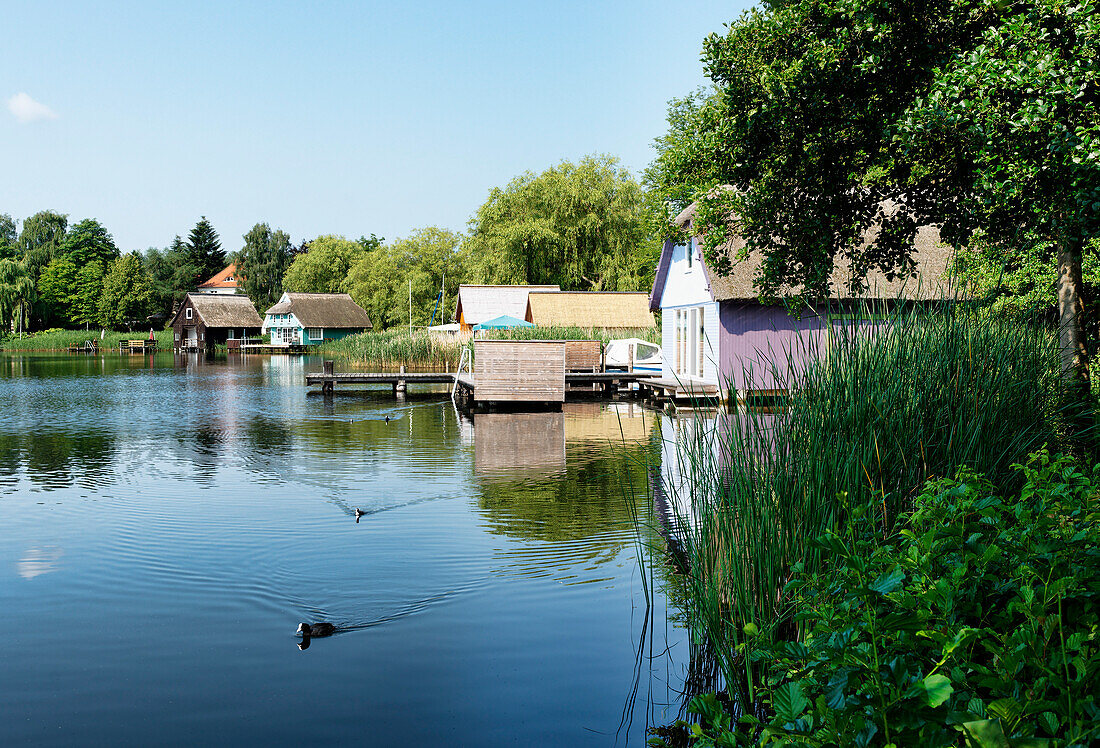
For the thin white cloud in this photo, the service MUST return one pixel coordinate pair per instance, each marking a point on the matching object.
(27, 109)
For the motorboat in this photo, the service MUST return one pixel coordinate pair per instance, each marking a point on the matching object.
(633, 352)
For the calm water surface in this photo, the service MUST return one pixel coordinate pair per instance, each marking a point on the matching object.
(166, 522)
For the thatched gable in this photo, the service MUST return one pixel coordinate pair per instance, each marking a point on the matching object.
(221, 311)
(478, 304)
(928, 281)
(327, 310)
(590, 309)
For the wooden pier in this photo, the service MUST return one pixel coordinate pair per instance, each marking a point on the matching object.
(517, 374)
(137, 346)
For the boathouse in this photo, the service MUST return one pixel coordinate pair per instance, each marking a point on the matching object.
(225, 282)
(596, 309)
(478, 304)
(206, 319)
(302, 319)
(716, 334)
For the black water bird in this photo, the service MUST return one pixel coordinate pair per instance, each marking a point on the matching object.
(358, 513)
(308, 630)
(387, 419)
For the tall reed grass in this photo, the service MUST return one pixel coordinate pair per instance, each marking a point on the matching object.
(60, 340)
(425, 350)
(871, 414)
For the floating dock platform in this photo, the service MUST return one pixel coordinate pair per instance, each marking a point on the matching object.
(519, 374)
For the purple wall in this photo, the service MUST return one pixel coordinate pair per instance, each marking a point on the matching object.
(759, 341)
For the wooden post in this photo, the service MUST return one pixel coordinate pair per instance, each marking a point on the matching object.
(327, 370)
(401, 388)
(630, 364)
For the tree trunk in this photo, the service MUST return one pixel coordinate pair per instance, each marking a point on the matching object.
(1073, 335)
(1071, 314)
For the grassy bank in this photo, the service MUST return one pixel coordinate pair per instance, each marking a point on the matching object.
(869, 422)
(60, 340)
(424, 350)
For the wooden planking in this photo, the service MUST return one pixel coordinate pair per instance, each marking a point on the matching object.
(583, 355)
(519, 371)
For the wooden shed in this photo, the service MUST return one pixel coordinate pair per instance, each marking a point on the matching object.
(204, 320)
(519, 371)
(301, 319)
(717, 334)
(598, 309)
(478, 304)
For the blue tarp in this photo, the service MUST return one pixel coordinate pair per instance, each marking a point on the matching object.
(503, 322)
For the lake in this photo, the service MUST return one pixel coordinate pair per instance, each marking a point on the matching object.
(166, 522)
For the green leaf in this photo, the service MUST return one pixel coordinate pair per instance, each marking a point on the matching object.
(935, 689)
(789, 702)
(1049, 722)
(888, 582)
(1007, 709)
(985, 733)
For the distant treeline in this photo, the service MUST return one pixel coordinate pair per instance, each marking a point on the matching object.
(581, 226)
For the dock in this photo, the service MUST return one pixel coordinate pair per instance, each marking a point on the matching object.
(137, 346)
(528, 374)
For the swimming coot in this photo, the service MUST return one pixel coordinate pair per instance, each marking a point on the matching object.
(316, 629)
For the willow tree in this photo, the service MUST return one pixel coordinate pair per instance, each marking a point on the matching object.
(581, 226)
(17, 294)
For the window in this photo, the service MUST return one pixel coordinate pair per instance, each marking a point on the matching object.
(690, 251)
(702, 328)
(316, 333)
(230, 333)
(188, 313)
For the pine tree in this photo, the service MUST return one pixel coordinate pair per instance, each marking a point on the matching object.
(204, 250)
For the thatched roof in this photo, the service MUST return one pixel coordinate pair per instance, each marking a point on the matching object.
(590, 309)
(227, 278)
(332, 310)
(927, 282)
(481, 303)
(224, 310)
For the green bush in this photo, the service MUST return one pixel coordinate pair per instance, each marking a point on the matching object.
(977, 624)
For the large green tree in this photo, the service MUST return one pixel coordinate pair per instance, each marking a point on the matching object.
(8, 237)
(582, 226)
(831, 117)
(89, 291)
(324, 266)
(379, 281)
(204, 252)
(88, 241)
(127, 297)
(262, 263)
(57, 291)
(39, 242)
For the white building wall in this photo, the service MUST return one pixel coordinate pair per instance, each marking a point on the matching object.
(686, 287)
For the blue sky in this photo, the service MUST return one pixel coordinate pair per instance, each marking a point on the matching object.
(345, 118)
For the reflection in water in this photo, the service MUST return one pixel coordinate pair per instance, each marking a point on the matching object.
(577, 508)
(519, 444)
(38, 561)
(187, 492)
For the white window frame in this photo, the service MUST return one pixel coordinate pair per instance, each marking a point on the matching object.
(188, 313)
(319, 330)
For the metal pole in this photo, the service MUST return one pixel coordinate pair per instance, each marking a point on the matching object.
(410, 307)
